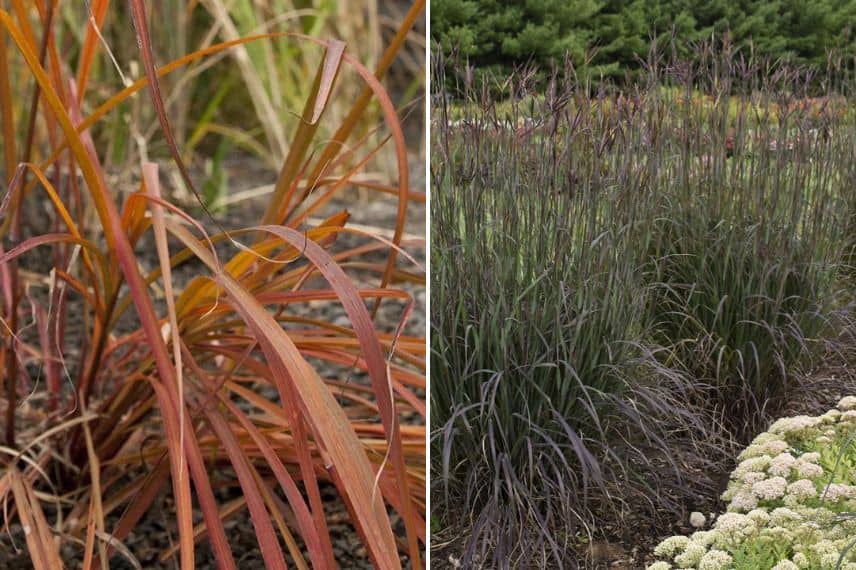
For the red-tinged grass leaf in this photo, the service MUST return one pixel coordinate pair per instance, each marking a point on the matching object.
(302, 449)
(400, 376)
(415, 195)
(337, 142)
(227, 511)
(397, 276)
(174, 65)
(283, 299)
(180, 481)
(374, 87)
(326, 78)
(391, 118)
(324, 234)
(125, 302)
(312, 541)
(207, 502)
(347, 359)
(134, 217)
(47, 20)
(305, 295)
(389, 486)
(243, 260)
(295, 378)
(331, 190)
(204, 493)
(80, 289)
(247, 477)
(293, 279)
(44, 552)
(275, 414)
(315, 104)
(15, 187)
(74, 141)
(47, 47)
(371, 351)
(48, 239)
(278, 511)
(141, 499)
(140, 84)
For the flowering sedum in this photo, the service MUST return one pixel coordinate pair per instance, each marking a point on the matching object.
(791, 502)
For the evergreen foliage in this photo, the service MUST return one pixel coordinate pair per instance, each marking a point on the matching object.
(610, 38)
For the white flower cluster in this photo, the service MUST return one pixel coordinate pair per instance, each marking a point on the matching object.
(786, 498)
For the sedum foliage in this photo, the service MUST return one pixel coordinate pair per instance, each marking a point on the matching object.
(790, 502)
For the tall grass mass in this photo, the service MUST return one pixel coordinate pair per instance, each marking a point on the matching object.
(625, 283)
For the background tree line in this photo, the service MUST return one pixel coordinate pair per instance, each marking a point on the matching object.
(607, 38)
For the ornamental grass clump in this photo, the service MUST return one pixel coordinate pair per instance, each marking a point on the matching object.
(155, 362)
(624, 281)
(532, 289)
(745, 271)
(790, 502)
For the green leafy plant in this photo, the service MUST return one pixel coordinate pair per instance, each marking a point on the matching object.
(789, 500)
(224, 378)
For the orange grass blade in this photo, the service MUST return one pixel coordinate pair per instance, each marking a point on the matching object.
(90, 43)
(138, 14)
(152, 184)
(344, 131)
(96, 511)
(134, 217)
(7, 117)
(392, 121)
(320, 552)
(47, 239)
(174, 65)
(228, 510)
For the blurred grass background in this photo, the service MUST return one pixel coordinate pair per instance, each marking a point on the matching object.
(245, 102)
